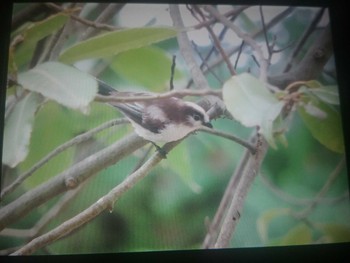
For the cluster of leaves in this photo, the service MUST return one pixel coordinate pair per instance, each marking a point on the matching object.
(250, 103)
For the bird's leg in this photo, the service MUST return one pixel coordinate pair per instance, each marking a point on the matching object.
(160, 150)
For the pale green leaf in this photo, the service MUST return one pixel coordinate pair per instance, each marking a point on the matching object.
(112, 43)
(324, 123)
(35, 32)
(250, 103)
(18, 129)
(64, 84)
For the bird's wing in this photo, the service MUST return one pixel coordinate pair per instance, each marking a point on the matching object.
(134, 111)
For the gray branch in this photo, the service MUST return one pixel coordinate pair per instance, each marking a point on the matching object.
(69, 179)
(311, 65)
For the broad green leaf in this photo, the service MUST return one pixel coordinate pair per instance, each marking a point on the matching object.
(64, 84)
(250, 103)
(18, 129)
(265, 219)
(324, 123)
(180, 162)
(35, 32)
(299, 235)
(112, 43)
(148, 66)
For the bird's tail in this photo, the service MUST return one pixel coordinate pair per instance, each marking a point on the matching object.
(104, 88)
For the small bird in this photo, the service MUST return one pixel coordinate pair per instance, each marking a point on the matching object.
(160, 120)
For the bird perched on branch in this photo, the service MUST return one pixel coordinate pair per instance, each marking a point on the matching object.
(158, 120)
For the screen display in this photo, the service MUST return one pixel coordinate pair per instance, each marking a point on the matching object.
(156, 127)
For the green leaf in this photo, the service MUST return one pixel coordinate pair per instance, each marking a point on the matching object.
(149, 67)
(18, 129)
(113, 43)
(299, 235)
(179, 161)
(64, 84)
(250, 103)
(324, 123)
(35, 32)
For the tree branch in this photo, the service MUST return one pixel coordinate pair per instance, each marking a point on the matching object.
(78, 139)
(68, 179)
(311, 65)
(214, 228)
(307, 33)
(247, 39)
(234, 211)
(173, 93)
(213, 105)
(105, 202)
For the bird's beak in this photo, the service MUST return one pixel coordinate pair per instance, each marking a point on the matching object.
(208, 124)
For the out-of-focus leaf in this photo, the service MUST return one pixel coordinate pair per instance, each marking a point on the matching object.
(299, 235)
(35, 32)
(336, 232)
(265, 219)
(18, 129)
(64, 84)
(249, 102)
(180, 162)
(148, 67)
(113, 43)
(324, 123)
(328, 94)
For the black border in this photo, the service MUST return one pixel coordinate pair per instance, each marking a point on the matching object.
(335, 252)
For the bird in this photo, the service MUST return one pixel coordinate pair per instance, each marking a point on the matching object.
(159, 120)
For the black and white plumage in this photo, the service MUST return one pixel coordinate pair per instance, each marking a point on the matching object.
(160, 120)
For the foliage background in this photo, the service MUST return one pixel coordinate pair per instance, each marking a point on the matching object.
(170, 208)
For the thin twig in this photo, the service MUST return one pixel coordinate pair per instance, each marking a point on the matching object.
(232, 13)
(204, 63)
(109, 12)
(254, 34)
(82, 20)
(290, 199)
(239, 54)
(173, 93)
(331, 179)
(248, 39)
(217, 44)
(78, 139)
(172, 72)
(302, 40)
(265, 31)
(249, 146)
(186, 51)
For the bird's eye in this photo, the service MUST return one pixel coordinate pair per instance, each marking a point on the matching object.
(196, 117)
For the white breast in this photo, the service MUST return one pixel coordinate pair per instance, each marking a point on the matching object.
(169, 134)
